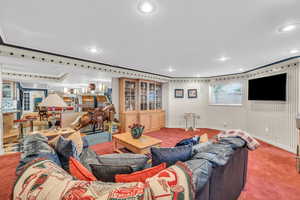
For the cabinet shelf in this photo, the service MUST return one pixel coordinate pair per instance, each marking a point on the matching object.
(141, 102)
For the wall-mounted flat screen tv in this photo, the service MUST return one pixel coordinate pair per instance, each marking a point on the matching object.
(270, 88)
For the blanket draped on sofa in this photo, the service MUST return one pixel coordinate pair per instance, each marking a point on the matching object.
(43, 179)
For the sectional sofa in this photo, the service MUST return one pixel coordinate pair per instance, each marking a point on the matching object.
(219, 170)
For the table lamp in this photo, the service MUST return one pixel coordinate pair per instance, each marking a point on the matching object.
(53, 101)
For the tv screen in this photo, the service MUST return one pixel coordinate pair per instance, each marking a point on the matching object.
(271, 88)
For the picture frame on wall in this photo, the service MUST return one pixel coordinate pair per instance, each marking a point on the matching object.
(179, 93)
(192, 93)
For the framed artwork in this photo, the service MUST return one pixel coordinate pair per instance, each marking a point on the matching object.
(179, 93)
(192, 93)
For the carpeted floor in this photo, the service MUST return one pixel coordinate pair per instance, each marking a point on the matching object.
(271, 171)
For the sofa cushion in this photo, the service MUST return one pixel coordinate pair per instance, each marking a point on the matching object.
(107, 173)
(170, 155)
(78, 171)
(87, 157)
(36, 146)
(140, 176)
(65, 149)
(76, 138)
(202, 147)
(193, 141)
(217, 154)
(135, 161)
(202, 170)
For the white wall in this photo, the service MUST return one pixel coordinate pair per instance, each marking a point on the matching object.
(273, 122)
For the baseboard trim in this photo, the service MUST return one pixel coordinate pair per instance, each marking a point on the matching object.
(278, 145)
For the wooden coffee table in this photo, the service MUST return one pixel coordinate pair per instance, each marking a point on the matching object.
(138, 146)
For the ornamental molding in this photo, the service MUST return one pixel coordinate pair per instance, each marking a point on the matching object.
(33, 55)
(14, 52)
(9, 75)
(278, 68)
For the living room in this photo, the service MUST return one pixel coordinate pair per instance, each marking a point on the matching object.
(144, 99)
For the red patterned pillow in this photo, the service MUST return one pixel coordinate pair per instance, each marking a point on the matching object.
(140, 176)
(79, 171)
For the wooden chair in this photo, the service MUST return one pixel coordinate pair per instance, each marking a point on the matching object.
(43, 113)
(20, 122)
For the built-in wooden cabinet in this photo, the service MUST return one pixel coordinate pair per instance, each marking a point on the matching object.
(88, 102)
(92, 101)
(141, 102)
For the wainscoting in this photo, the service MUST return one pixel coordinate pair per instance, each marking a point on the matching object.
(273, 122)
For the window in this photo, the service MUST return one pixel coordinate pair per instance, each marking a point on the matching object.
(26, 100)
(226, 93)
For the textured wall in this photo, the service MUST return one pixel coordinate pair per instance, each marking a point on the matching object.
(273, 122)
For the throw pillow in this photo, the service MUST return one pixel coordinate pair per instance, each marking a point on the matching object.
(140, 176)
(203, 138)
(79, 171)
(65, 149)
(170, 155)
(107, 173)
(193, 141)
(136, 161)
(85, 142)
(76, 138)
(87, 157)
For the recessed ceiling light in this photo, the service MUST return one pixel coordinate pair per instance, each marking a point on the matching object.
(170, 69)
(94, 50)
(241, 69)
(287, 28)
(223, 58)
(198, 75)
(146, 7)
(293, 51)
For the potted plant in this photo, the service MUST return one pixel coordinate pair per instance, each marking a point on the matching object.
(136, 130)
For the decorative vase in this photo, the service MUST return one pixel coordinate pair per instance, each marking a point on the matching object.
(137, 131)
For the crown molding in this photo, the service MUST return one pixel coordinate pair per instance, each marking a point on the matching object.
(52, 58)
(44, 56)
(270, 69)
(10, 75)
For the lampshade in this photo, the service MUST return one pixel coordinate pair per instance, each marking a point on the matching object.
(53, 100)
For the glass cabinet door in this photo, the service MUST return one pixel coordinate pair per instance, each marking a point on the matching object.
(7, 90)
(152, 96)
(158, 96)
(130, 95)
(143, 96)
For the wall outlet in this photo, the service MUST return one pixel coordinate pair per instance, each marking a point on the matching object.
(225, 124)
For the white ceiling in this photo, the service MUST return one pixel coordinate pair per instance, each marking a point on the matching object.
(188, 35)
(72, 77)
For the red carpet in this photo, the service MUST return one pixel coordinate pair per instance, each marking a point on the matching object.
(271, 171)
